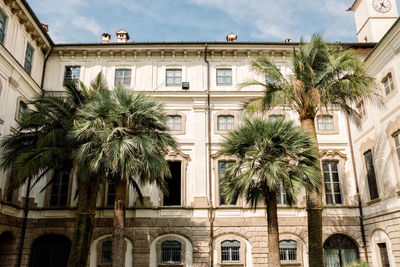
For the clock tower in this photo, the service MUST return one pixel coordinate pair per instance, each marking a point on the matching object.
(373, 18)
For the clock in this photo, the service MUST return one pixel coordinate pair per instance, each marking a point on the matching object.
(382, 6)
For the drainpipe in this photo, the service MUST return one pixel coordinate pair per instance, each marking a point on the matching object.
(364, 241)
(44, 68)
(24, 223)
(210, 211)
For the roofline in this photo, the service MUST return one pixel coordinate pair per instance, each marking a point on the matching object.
(37, 21)
(345, 45)
(352, 6)
(382, 39)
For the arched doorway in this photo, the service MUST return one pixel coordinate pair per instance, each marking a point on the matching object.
(7, 249)
(339, 251)
(50, 250)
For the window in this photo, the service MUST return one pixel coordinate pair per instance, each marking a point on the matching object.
(111, 193)
(171, 252)
(225, 122)
(340, 251)
(11, 188)
(288, 250)
(325, 123)
(123, 77)
(369, 165)
(333, 193)
(3, 22)
(173, 197)
(106, 252)
(361, 109)
(274, 118)
(28, 58)
(72, 74)
(22, 108)
(59, 189)
(281, 195)
(230, 251)
(384, 255)
(174, 123)
(224, 76)
(221, 167)
(174, 77)
(388, 83)
(396, 138)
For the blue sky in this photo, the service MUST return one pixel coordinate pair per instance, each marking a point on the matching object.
(196, 20)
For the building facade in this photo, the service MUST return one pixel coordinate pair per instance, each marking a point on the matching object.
(197, 82)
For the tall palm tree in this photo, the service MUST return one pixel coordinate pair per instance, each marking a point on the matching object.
(123, 138)
(322, 76)
(42, 144)
(269, 155)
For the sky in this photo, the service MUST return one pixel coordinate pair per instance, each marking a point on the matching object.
(83, 21)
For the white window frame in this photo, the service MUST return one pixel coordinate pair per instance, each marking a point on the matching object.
(323, 125)
(330, 172)
(221, 73)
(174, 82)
(172, 123)
(285, 250)
(228, 125)
(124, 76)
(230, 249)
(388, 83)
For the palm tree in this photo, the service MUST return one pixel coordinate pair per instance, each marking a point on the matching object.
(322, 76)
(123, 138)
(42, 144)
(269, 155)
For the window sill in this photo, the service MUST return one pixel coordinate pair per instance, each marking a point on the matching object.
(371, 202)
(170, 265)
(332, 132)
(289, 264)
(231, 264)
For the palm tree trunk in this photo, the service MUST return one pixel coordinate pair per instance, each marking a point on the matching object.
(84, 222)
(273, 230)
(118, 251)
(314, 208)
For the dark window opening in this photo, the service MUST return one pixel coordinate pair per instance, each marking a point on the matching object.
(50, 251)
(171, 252)
(369, 165)
(111, 193)
(173, 197)
(106, 252)
(59, 189)
(384, 254)
(221, 167)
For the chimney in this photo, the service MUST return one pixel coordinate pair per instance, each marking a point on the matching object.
(231, 37)
(46, 27)
(288, 40)
(122, 36)
(105, 38)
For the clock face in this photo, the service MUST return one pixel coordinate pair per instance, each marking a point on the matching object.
(382, 6)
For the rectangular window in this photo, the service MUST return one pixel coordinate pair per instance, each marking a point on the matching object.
(3, 22)
(224, 77)
(384, 255)
(333, 193)
(174, 77)
(11, 189)
(123, 77)
(230, 251)
(369, 165)
(72, 74)
(396, 138)
(174, 123)
(325, 123)
(221, 167)
(225, 122)
(59, 189)
(388, 83)
(28, 58)
(281, 196)
(173, 197)
(22, 108)
(288, 250)
(110, 193)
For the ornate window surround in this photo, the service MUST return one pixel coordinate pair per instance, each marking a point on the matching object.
(171, 237)
(224, 113)
(334, 155)
(183, 121)
(335, 123)
(392, 128)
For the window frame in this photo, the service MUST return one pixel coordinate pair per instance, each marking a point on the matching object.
(171, 256)
(331, 182)
(171, 237)
(388, 72)
(281, 194)
(102, 262)
(396, 140)
(230, 251)
(224, 83)
(368, 176)
(73, 79)
(50, 191)
(182, 131)
(233, 113)
(388, 83)
(287, 252)
(182, 195)
(174, 70)
(233, 203)
(20, 100)
(4, 28)
(176, 124)
(123, 77)
(228, 124)
(28, 64)
(334, 130)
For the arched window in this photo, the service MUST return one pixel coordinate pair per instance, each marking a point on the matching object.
(339, 251)
(171, 252)
(230, 251)
(50, 250)
(106, 249)
(288, 250)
